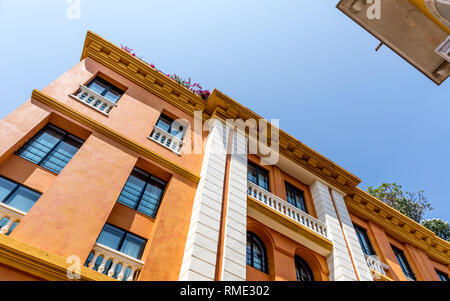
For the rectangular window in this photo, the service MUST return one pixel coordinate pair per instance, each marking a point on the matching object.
(17, 196)
(51, 148)
(105, 89)
(403, 263)
(142, 192)
(122, 241)
(258, 176)
(442, 276)
(295, 197)
(364, 241)
(170, 126)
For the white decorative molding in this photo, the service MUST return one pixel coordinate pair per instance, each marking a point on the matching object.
(167, 140)
(234, 267)
(13, 215)
(353, 245)
(94, 100)
(376, 265)
(431, 5)
(101, 251)
(444, 49)
(339, 261)
(200, 254)
(272, 201)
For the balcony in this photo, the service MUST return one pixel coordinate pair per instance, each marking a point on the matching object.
(288, 220)
(11, 216)
(377, 268)
(121, 265)
(94, 100)
(167, 140)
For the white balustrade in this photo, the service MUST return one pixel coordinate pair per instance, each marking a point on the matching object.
(167, 140)
(12, 215)
(126, 262)
(286, 209)
(94, 100)
(375, 264)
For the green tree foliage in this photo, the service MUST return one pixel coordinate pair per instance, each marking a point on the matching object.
(438, 226)
(412, 204)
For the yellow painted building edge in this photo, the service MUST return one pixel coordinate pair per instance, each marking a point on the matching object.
(41, 264)
(100, 128)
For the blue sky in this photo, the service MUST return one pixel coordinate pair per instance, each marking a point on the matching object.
(302, 62)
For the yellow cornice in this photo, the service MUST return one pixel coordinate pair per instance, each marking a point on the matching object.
(290, 224)
(380, 277)
(398, 225)
(41, 264)
(139, 72)
(289, 146)
(100, 128)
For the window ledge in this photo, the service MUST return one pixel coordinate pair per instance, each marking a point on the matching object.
(94, 100)
(167, 140)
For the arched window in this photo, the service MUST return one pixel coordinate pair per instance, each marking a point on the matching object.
(256, 253)
(304, 272)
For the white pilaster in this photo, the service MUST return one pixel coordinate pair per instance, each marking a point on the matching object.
(339, 261)
(235, 246)
(200, 255)
(352, 239)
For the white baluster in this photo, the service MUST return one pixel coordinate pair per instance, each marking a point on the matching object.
(131, 276)
(113, 267)
(101, 268)
(94, 259)
(122, 272)
(6, 228)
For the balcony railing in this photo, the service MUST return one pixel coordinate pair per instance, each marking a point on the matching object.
(376, 265)
(94, 100)
(167, 140)
(126, 262)
(12, 216)
(286, 209)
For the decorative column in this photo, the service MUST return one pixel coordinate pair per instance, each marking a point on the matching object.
(339, 261)
(200, 255)
(235, 234)
(352, 240)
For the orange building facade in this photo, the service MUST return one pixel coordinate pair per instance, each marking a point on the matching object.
(116, 172)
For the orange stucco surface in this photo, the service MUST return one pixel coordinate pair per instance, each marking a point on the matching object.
(76, 204)
(280, 256)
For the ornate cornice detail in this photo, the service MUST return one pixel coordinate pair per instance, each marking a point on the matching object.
(137, 71)
(397, 225)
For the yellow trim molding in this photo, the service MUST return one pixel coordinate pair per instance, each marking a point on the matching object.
(41, 264)
(100, 128)
(398, 225)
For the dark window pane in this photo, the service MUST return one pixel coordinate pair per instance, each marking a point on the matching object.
(142, 192)
(403, 263)
(111, 237)
(52, 148)
(258, 176)
(6, 187)
(133, 246)
(442, 276)
(303, 270)
(256, 253)
(295, 197)
(364, 241)
(23, 199)
(165, 123)
(105, 89)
